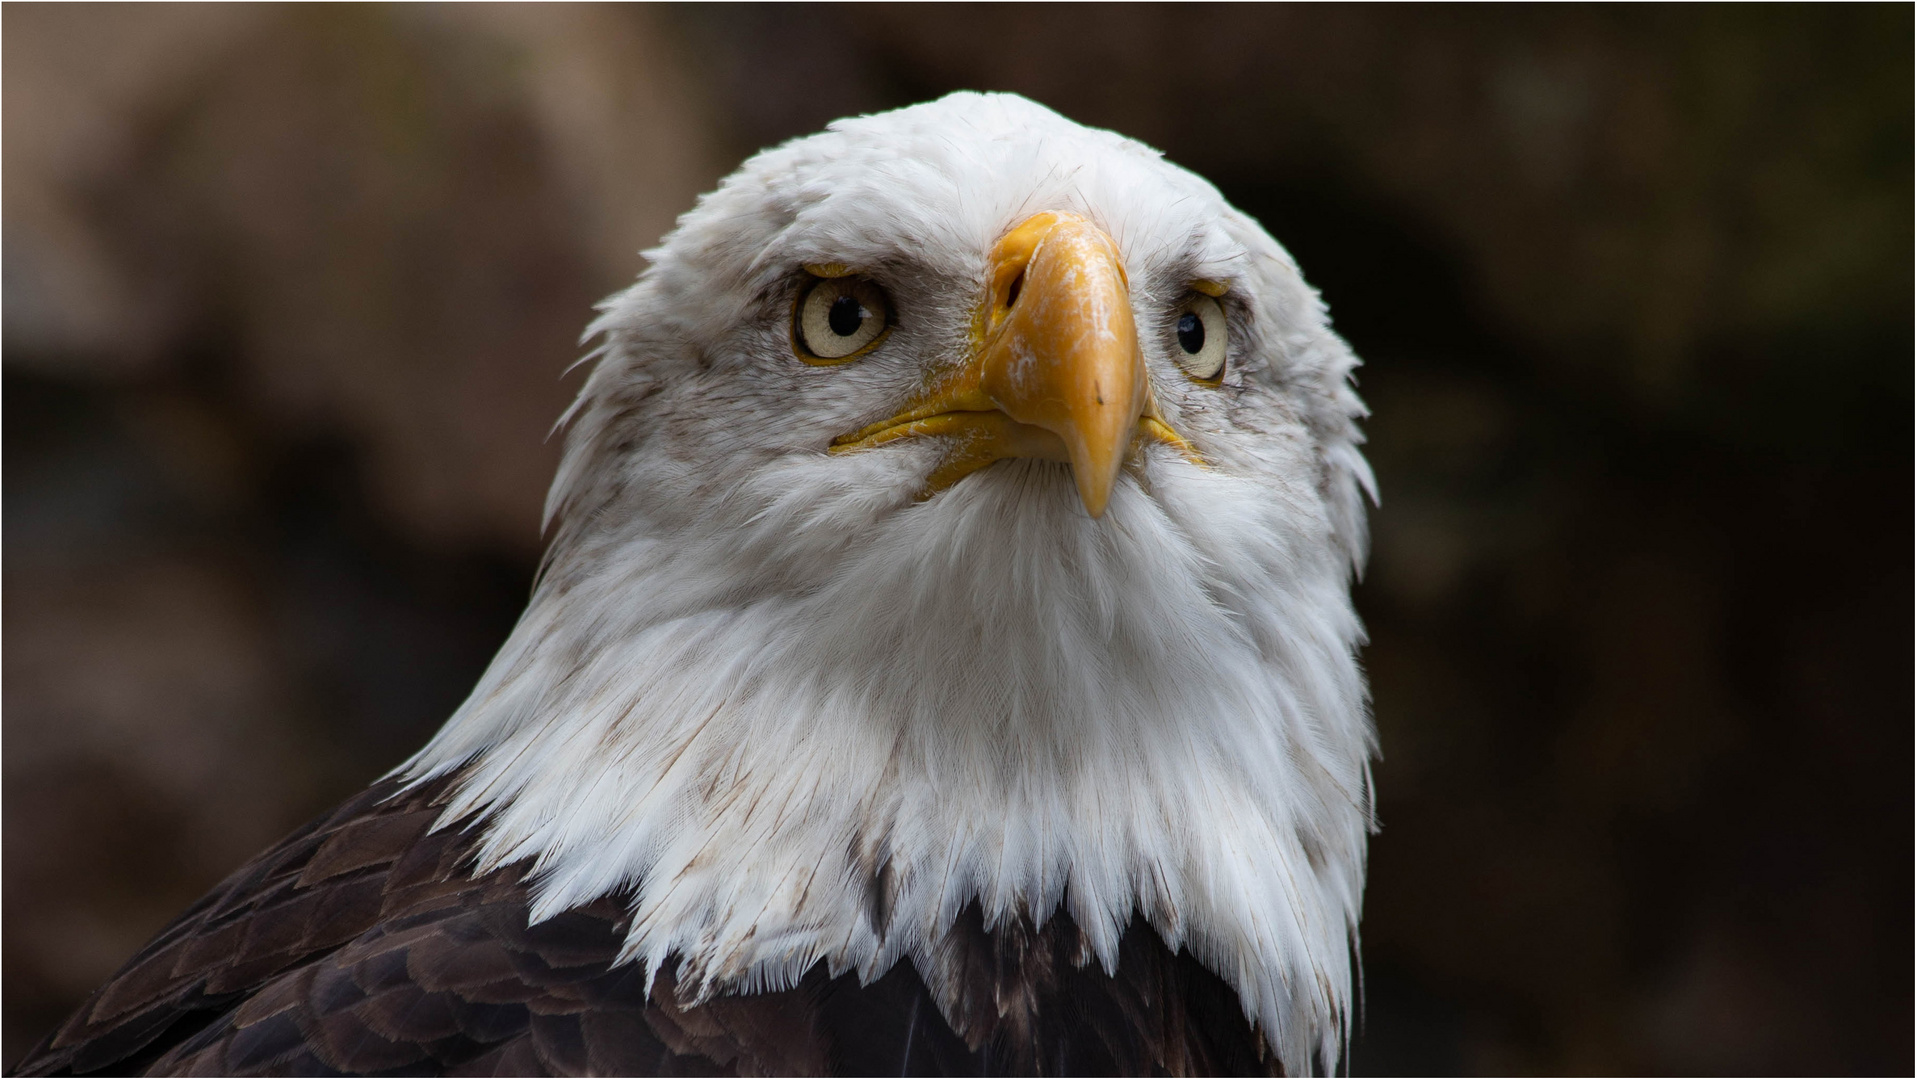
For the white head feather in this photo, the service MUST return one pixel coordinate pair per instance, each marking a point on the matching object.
(755, 679)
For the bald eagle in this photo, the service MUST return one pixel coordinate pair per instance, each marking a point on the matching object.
(943, 662)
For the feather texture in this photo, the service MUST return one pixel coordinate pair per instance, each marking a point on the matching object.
(361, 944)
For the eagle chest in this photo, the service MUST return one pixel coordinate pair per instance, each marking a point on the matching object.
(361, 944)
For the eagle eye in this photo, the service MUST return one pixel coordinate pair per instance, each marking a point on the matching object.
(1199, 335)
(839, 318)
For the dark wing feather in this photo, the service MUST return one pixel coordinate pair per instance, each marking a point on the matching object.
(363, 944)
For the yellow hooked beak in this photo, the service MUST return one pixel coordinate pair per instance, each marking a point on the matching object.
(1055, 372)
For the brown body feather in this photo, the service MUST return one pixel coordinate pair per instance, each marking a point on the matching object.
(362, 944)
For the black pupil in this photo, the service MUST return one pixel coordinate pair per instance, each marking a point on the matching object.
(1191, 333)
(845, 316)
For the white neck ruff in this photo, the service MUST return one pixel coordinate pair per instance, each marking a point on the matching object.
(799, 734)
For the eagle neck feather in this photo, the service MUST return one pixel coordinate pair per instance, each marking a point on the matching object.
(797, 730)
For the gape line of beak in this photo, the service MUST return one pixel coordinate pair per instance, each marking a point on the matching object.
(1055, 373)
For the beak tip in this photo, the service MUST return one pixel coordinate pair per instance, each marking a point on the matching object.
(1095, 496)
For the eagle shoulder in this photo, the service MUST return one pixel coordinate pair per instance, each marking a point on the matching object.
(361, 944)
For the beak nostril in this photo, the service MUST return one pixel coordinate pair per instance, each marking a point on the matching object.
(1011, 294)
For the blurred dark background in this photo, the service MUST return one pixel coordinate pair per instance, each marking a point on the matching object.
(289, 292)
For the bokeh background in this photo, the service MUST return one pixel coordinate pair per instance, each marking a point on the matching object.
(290, 291)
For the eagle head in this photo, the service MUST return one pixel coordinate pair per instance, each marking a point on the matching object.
(961, 510)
